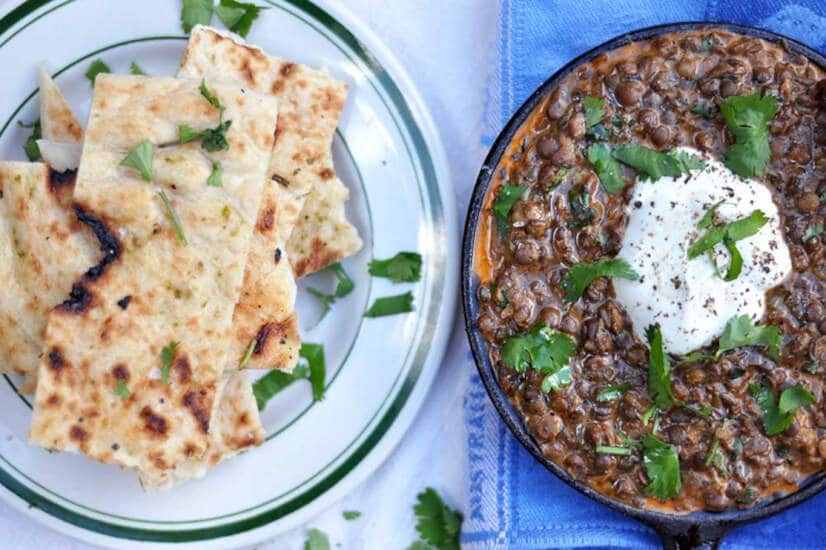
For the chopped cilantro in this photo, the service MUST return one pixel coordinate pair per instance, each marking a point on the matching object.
(659, 370)
(662, 465)
(607, 168)
(97, 67)
(135, 69)
(121, 390)
(543, 350)
(195, 12)
(437, 524)
(312, 368)
(652, 165)
(579, 201)
(209, 96)
(316, 540)
(778, 418)
(716, 457)
(215, 139)
(214, 179)
(741, 331)
(31, 148)
(238, 16)
(728, 234)
(187, 134)
(594, 110)
(748, 118)
(646, 417)
(404, 267)
(167, 354)
(391, 305)
(350, 515)
(141, 160)
(579, 276)
(173, 216)
(613, 392)
(344, 286)
(506, 197)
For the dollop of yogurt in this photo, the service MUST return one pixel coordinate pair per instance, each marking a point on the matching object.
(689, 300)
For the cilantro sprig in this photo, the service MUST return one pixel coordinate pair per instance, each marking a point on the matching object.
(312, 367)
(506, 197)
(404, 267)
(652, 165)
(31, 148)
(437, 524)
(344, 286)
(594, 108)
(579, 276)
(777, 417)
(741, 331)
(728, 234)
(662, 465)
(613, 392)
(748, 118)
(607, 168)
(140, 158)
(543, 350)
(659, 370)
(97, 67)
(135, 69)
(579, 202)
(237, 16)
(316, 540)
(173, 217)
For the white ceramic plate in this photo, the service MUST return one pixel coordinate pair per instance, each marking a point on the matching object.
(378, 370)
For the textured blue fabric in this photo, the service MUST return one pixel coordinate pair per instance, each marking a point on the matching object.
(512, 501)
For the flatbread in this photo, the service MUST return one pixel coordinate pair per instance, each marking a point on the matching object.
(312, 220)
(149, 290)
(57, 121)
(43, 250)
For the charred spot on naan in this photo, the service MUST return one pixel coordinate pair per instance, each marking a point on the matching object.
(182, 367)
(153, 423)
(109, 244)
(121, 372)
(199, 404)
(57, 362)
(318, 258)
(62, 186)
(266, 219)
(273, 331)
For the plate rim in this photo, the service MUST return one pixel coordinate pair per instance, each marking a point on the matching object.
(422, 132)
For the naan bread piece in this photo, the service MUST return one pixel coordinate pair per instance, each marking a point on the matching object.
(44, 250)
(57, 121)
(101, 390)
(313, 220)
(60, 156)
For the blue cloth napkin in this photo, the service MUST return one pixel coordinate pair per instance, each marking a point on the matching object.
(512, 501)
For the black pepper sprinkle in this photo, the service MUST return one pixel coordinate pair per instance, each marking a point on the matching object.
(123, 303)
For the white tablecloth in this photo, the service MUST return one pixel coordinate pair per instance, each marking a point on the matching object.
(448, 49)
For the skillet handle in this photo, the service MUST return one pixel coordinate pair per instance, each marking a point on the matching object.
(696, 538)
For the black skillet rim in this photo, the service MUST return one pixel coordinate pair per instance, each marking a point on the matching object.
(699, 525)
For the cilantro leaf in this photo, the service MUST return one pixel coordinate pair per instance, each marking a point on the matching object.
(215, 139)
(579, 201)
(97, 67)
(31, 148)
(715, 457)
(436, 523)
(173, 216)
(214, 179)
(167, 354)
(728, 234)
(344, 286)
(187, 134)
(659, 370)
(506, 197)
(209, 96)
(594, 110)
(652, 165)
(391, 305)
(350, 515)
(735, 266)
(135, 69)
(544, 350)
(748, 118)
(579, 276)
(195, 12)
(613, 392)
(777, 419)
(662, 465)
(248, 354)
(316, 540)
(741, 331)
(746, 227)
(404, 267)
(312, 368)
(141, 160)
(238, 16)
(708, 218)
(607, 168)
(122, 390)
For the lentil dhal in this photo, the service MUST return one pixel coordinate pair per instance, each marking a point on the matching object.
(661, 93)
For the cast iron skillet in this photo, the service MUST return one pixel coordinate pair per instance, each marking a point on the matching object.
(695, 530)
